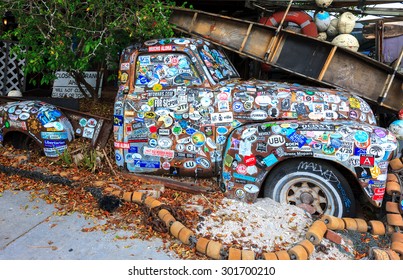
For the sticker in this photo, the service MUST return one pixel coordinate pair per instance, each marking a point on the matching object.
(54, 143)
(273, 112)
(24, 116)
(189, 164)
(222, 130)
(83, 122)
(240, 193)
(222, 117)
(129, 158)
(376, 150)
(258, 115)
(166, 165)
(244, 177)
(276, 140)
(249, 160)
(297, 138)
(263, 100)
(152, 143)
(248, 132)
(121, 145)
(198, 139)
(181, 41)
(165, 142)
(160, 48)
(361, 136)
(367, 161)
(381, 133)
(251, 188)
(241, 169)
(151, 42)
(158, 152)
(270, 160)
(205, 163)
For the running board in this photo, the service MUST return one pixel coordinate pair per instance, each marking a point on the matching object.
(298, 54)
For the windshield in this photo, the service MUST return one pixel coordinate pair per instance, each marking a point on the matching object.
(165, 69)
(217, 63)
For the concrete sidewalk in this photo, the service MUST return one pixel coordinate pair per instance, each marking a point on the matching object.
(30, 231)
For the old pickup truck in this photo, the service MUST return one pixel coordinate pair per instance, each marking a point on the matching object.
(182, 109)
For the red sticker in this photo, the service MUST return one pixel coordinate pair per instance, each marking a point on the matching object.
(367, 161)
(249, 160)
(241, 169)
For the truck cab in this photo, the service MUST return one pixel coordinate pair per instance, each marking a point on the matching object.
(182, 109)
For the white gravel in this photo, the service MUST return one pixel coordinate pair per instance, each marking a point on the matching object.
(266, 226)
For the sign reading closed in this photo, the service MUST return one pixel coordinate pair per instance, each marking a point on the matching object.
(66, 86)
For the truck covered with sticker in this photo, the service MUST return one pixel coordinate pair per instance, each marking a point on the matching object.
(182, 109)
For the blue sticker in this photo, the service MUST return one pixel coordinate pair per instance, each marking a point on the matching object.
(244, 177)
(153, 143)
(221, 139)
(237, 106)
(147, 164)
(133, 150)
(54, 143)
(226, 175)
(335, 142)
(361, 136)
(270, 160)
(190, 130)
(297, 138)
(359, 151)
(118, 120)
(54, 135)
(222, 130)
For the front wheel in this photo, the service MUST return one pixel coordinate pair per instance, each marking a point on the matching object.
(313, 184)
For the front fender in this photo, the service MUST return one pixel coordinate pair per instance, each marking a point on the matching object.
(252, 150)
(44, 123)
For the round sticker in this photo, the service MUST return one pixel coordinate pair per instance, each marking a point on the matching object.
(361, 136)
(181, 41)
(221, 130)
(240, 193)
(157, 87)
(205, 101)
(165, 142)
(92, 122)
(150, 42)
(24, 116)
(381, 133)
(241, 169)
(251, 188)
(166, 165)
(198, 139)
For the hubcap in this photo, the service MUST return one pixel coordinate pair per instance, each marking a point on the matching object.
(307, 191)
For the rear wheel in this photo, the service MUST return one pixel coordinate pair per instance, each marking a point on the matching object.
(311, 183)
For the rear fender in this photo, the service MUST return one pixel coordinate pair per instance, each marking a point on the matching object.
(252, 150)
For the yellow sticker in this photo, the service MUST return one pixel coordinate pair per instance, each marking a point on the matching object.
(375, 172)
(157, 87)
(354, 103)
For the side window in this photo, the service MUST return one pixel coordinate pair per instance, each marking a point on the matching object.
(218, 65)
(165, 69)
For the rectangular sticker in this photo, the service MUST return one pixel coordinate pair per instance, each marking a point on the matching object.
(122, 145)
(270, 160)
(367, 161)
(158, 152)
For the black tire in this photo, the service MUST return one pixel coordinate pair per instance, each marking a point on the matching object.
(313, 182)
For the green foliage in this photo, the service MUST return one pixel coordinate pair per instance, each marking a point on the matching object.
(65, 158)
(78, 36)
(89, 160)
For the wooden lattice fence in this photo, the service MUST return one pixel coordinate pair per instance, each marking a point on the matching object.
(11, 73)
